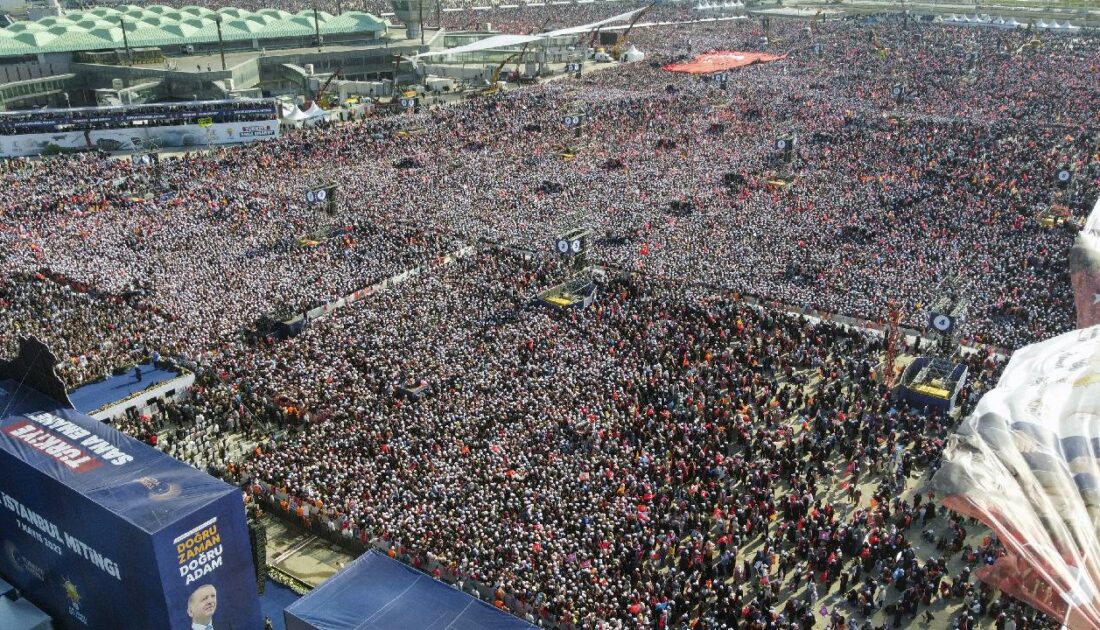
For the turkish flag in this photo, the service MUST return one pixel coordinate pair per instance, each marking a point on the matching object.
(1084, 273)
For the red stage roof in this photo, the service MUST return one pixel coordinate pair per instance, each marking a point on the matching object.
(721, 60)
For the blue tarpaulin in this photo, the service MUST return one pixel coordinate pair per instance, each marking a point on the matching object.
(378, 593)
(274, 601)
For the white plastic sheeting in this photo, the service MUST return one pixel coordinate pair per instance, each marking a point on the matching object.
(504, 41)
(496, 41)
(1027, 464)
(1084, 271)
(314, 111)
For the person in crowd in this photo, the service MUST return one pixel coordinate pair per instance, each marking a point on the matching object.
(690, 451)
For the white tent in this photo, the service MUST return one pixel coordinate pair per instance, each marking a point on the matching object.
(1065, 27)
(632, 54)
(294, 117)
(314, 114)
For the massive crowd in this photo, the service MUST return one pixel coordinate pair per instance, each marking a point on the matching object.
(666, 458)
(669, 456)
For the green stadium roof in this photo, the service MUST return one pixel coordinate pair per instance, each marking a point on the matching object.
(157, 25)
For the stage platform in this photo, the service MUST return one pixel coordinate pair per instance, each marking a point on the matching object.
(110, 397)
(932, 382)
(578, 292)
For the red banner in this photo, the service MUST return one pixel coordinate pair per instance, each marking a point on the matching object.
(721, 60)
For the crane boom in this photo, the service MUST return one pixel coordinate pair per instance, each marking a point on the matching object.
(523, 51)
(493, 88)
(635, 21)
(595, 36)
(321, 92)
(622, 36)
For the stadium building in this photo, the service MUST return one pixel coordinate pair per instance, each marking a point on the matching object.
(133, 54)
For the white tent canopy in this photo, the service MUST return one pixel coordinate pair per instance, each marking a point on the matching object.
(292, 114)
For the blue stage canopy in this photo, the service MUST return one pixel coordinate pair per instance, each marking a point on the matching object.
(376, 593)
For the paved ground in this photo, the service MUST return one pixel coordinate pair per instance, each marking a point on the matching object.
(302, 555)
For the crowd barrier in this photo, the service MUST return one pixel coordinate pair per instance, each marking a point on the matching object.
(877, 327)
(296, 324)
(311, 519)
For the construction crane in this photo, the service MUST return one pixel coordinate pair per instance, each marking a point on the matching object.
(494, 81)
(1033, 44)
(595, 37)
(881, 51)
(397, 59)
(893, 341)
(615, 49)
(523, 51)
(321, 97)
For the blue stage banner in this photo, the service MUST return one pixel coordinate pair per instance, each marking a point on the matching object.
(102, 531)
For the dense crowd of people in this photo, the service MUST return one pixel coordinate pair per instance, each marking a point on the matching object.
(664, 458)
(669, 456)
(882, 200)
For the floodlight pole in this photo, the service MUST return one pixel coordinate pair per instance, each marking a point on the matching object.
(420, 18)
(125, 41)
(317, 28)
(221, 44)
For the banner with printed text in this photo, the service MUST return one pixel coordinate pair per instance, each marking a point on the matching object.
(102, 531)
